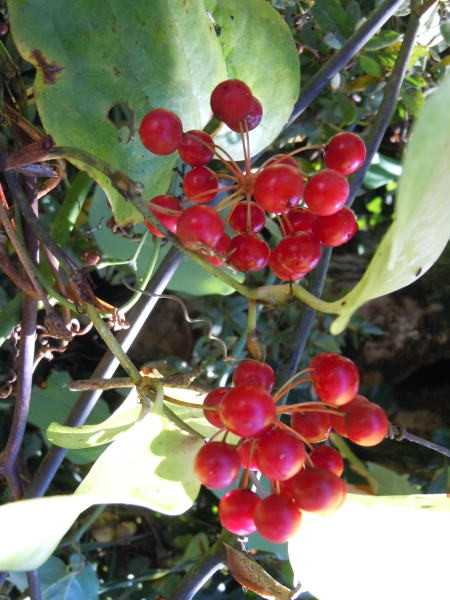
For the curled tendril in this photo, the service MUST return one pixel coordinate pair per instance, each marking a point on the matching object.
(204, 320)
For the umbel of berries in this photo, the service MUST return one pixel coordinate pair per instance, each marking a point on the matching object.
(309, 209)
(304, 474)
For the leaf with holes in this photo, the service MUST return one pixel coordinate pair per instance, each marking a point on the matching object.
(421, 227)
(101, 66)
(151, 465)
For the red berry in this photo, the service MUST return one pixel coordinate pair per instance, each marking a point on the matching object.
(231, 101)
(299, 219)
(298, 252)
(248, 460)
(318, 490)
(253, 372)
(161, 131)
(247, 218)
(214, 398)
(326, 193)
(200, 225)
(280, 271)
(366, 424)
(236, 510)
(278, 188)
(170, 221)
(248, 253)
(335, 378)
(220, 250)
(337, 422)
(280, 455)
(313, 426)
(247, 411)
(193, 150)
(282, 159)
(252, 118)
(326, 457)
(335, 230)
(200, 185)
(217, 465)
(277, 518)
(345, 153)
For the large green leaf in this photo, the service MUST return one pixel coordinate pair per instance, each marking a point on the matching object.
(390, 547)
(150, 465)
(91, 56)
(259, 49)
(421, 227)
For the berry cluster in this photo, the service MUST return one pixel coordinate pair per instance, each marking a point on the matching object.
(275, 188)
(303, 477)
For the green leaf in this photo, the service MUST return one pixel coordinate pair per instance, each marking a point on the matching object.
(54, 403)
(406, 537)
(421, 227)
(413, 100)
(259, 49)
(9, 317)
(149, 465)
(92, 56)
(382, 40)
(370, 66)
(348, 108)
(382, 171)
(331, 16)
(390, 483)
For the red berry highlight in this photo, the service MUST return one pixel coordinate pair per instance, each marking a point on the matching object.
(318, 490)
(217, 465)
(248, 411)
(277, 518)
(326, 193)
(200, 225)
(253, 372)
(236, 510)
(278, 188)
(160, 131)
(335, 378)
(231, 101)
(366, 424)
(280, 455)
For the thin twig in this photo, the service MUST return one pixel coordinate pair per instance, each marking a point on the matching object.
(398, 434)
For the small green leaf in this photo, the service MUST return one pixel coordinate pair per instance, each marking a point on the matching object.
(382, 40)
(348, 109)
(382, 171)
(401, 535)
(421, 227)
(259, 49)
(370, 66)
(413, 100)
(390, 483)
(149, 465)
(331, 16)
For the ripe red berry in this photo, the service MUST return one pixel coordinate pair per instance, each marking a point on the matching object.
(280, 455)
(248, 253)
(247, 411)
(236, 510)
(318, 490)
(335, 230)
(335, 378)
(193, 150)
(299, 219)
(214, 398)
(248, 460)
(345, 153)
(220, 250)
(366, 424)
(170, 221)
(280, 271)
(231, 100)
(247, 217)
(326, 192)
(278, 188)
(252, 118)
(217, 465)
(282, 159)
(200, 225)
(161, 131)
(298, 252)
(253, 372)
(313, 426)
(200, 185)
(277, 518)
(337, 422)
(326, 457)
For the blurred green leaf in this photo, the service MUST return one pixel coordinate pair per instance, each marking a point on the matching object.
(348, 109)
(390, 483)
(382, 171)
(413, 100)
(370, 66)
(9, 317)
(331, 16)
(382, 40)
